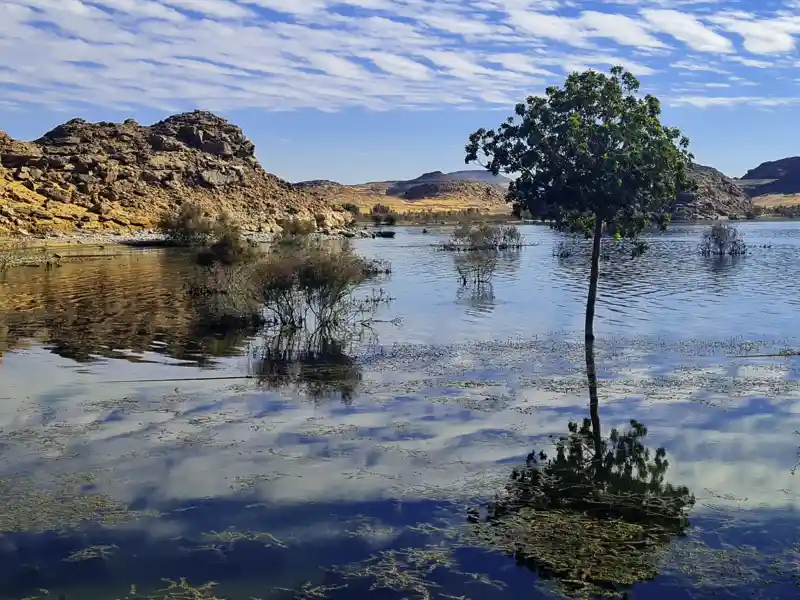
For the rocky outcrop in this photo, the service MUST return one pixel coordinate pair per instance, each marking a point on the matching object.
(124, 176)
(717, 196)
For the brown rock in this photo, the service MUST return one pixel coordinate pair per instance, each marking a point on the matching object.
(717, 196)
(136, 172)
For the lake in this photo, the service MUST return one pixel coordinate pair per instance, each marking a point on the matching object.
(146, 455)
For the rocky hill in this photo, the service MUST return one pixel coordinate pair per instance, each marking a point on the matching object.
(124, 176)
(717, 196)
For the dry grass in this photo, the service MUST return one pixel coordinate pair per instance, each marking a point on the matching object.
(365, 197)
(775, 200)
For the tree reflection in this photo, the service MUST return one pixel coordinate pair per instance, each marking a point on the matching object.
(597, 515)
(318, 357)
(321, 367)
(476, 270)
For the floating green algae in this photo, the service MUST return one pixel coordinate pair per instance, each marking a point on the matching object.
(30, 506)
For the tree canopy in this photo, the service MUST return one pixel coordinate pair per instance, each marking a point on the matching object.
(590, 150)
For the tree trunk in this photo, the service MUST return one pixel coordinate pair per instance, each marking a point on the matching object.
(593, 277)
(594, 410)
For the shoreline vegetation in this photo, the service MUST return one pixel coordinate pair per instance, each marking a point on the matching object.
(478, 235)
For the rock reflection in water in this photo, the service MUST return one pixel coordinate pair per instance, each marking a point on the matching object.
(114, 309)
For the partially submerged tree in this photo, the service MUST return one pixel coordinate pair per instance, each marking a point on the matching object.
(591, 156)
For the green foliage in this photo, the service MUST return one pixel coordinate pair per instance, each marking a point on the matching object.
(592, 149)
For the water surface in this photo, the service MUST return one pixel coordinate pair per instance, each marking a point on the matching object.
(358, 483)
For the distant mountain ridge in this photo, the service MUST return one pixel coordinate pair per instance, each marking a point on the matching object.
(476, 175)
(773, 177)
(435, 190)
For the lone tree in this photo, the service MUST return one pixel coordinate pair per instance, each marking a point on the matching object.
(591, 156)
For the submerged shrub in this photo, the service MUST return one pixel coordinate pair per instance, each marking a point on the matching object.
(289, 285)
(190, 226)
(314, 280)
(484, 237)
(722, 239)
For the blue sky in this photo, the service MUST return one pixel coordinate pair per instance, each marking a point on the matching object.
(358, 90)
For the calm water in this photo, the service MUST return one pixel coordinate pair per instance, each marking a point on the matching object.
(119, 467)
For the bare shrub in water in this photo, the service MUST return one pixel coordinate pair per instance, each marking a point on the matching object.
(484, 237)
(292, 284)
(318, 357)
(722, 239)
(476, 268)
(313, 281)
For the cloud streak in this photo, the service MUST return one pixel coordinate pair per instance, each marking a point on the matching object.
(374, 54)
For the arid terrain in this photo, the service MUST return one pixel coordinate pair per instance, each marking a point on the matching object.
(125, 176)
(432, 192)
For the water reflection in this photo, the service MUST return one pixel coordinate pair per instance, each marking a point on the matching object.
(597, 516)
(320, 367)
(475, 271)
(249, 485)
(116, 308)
(104, 487)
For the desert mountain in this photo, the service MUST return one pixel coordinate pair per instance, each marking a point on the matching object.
(774, 169)
(773, 178)
(122, 176)
(717, 195)
(437, 191)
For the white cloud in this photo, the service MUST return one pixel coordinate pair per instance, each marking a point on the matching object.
(224, 9)
(400, 66)
(761, 36)
(689, 30)
(276, 54)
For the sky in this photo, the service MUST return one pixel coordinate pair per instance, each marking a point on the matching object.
(365, 90)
